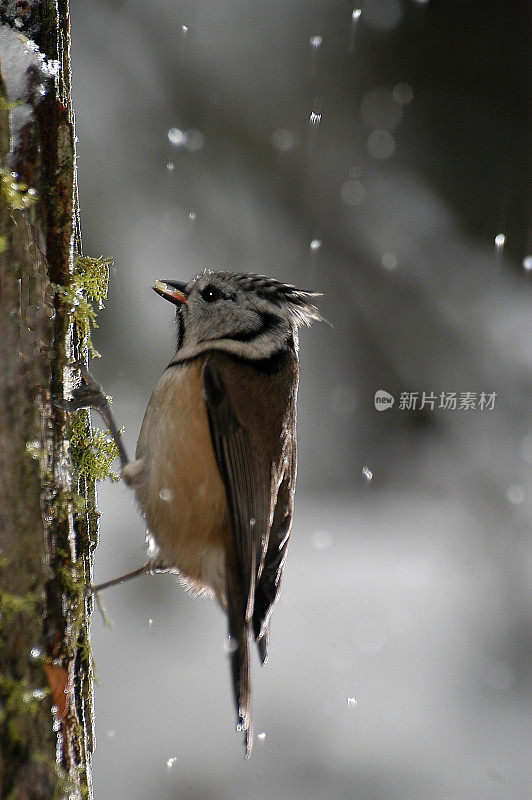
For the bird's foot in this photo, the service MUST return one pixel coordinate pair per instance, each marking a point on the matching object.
(154, 566)
(157, 565)
(89, 394)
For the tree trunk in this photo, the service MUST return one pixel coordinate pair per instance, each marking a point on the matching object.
(48, 521)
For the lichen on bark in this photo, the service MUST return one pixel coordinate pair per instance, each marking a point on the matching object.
(48, 516)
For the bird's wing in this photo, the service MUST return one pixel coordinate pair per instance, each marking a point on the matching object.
(270, 578)
(251, 422)
(247, 480)
(246, 476)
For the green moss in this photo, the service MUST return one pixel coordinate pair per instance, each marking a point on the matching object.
(67, 502)
(84, 647)
(74, 584)
(11, 604)
(88, 284)
(21, 701)
(93, 275)
(71, 576)
(5, 105)
(92, 451)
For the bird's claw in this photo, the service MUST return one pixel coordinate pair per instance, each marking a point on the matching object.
(157, 566)
(89, 394)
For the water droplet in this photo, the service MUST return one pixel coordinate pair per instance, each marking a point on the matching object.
(527, 263)
(39, 694)
(32, 192)
(355, 16)
(111, 733)
(403, 93)
(192, 216)
(34, 448)
(150, 622)
(352, 702)
(284, 140)
(367, 473)
(230, 645)
(170, 166)
(171, 761)
(353, 193)
(515, 495)
(500, 241)
(315, 42)
(35, 652)
(252, 522)
(389, 261)
(261, 735)
(321, 539)
(166, 494)
(315, 244)
(176, 137)
(383, 15)
(381, 144)
(56, 725)
(314, 123)
(184, 28)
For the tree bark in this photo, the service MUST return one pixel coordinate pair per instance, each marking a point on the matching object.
(48, 521)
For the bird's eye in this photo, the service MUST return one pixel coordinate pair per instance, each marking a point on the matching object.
(210, 294)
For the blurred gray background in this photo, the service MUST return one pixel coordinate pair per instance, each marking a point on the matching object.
(374, 157)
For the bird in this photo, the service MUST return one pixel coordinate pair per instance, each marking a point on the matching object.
(215, 466)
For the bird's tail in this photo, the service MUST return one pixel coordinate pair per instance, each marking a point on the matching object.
(240, 669)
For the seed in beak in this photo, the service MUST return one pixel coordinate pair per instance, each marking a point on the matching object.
(173, 295)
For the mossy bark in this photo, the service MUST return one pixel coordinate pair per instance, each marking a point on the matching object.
(48, 521)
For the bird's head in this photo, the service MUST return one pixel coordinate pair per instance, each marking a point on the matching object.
(249, 315)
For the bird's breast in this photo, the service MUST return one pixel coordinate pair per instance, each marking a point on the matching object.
(179, 487)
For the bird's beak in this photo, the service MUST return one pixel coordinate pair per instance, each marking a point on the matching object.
(172, 291)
